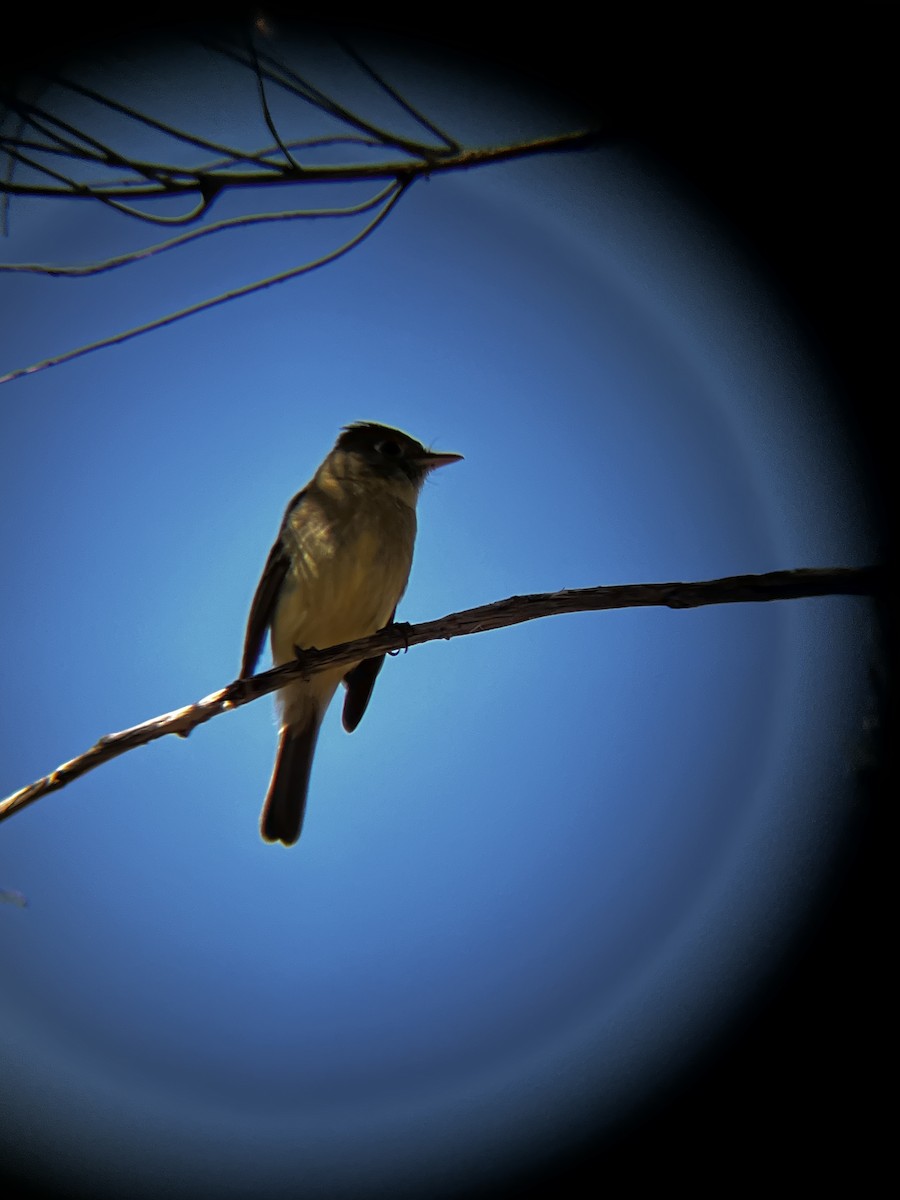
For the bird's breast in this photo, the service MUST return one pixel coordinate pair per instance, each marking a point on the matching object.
(349, 568)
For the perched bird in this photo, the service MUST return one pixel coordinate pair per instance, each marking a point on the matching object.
(337, 571)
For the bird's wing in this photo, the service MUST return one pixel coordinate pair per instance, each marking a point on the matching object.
(262, 610)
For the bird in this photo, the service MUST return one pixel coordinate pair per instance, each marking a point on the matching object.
(336, 572)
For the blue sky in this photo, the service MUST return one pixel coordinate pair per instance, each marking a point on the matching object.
(554, 861)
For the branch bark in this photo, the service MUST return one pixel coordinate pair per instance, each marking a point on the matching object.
(734, 589)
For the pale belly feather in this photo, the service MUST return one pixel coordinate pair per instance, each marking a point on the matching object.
(346, 586)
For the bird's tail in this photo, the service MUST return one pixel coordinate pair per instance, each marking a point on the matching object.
(285, 803)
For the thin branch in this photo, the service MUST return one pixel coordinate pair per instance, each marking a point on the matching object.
(156, 176)
(321, 142)
(406, 168)
(146, 170)
(172, 131)
(264, 104)
(63, 148)
(72, 187)
(80, 154)
(282, 76)
(216, 182)
(8, 170)
(124, 260)
(200, 207)
(117, 338)
(398, 99)
(736, 589)
(34, 115)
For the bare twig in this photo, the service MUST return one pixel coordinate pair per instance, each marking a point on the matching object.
(264, 104)
(394, 194)
(279, 73)
(124, 260)
(42, 121)
(399, 100)
(133, 114)
(736, 589)
(145, 170)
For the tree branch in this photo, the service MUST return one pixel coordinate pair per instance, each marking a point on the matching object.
(403, 176)
(176, 181)
(48, 157)
(735, 589)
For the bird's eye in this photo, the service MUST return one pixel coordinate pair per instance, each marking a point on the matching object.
(389, 449)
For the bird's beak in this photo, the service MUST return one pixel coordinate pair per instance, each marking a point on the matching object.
(434, 458)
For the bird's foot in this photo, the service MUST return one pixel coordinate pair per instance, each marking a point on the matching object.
(399, 627)
(304, 654)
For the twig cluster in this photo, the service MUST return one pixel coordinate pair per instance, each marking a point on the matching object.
(48, 157)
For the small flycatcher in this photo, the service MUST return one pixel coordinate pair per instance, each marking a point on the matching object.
(337, 571)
